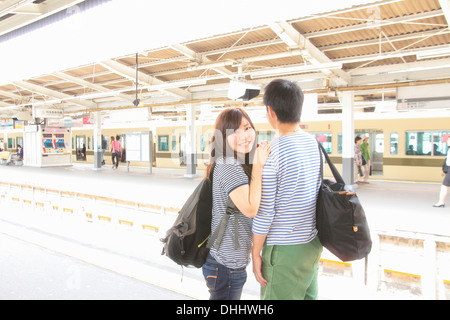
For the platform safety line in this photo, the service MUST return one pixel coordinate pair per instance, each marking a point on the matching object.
(403, 273)
(126, 222)
(347, 264)
(152, 228)
(104, 218)
(74, 194)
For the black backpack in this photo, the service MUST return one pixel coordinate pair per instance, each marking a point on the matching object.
(186, 242)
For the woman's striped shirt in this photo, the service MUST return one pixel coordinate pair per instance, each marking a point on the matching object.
(291, 180)
(229, 175)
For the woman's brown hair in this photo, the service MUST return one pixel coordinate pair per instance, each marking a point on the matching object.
(228, 121)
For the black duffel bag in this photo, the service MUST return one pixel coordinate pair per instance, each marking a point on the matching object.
(340, 218)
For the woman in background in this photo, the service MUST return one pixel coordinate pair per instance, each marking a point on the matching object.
(446, 183)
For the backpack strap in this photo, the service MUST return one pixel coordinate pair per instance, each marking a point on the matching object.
(217, 236)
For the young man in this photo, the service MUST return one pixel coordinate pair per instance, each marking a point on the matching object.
(284, 228)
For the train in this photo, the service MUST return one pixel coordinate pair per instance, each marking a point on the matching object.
(402, 148)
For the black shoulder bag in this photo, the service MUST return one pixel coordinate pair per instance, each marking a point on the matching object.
(340, 218)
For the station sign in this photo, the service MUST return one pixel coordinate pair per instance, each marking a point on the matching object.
(49, 113)
(434, 96)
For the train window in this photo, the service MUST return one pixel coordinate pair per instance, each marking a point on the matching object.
(429, 143)
(418, 143)
(379, 143)
(174, 143)
(440, 143)
(265, 135)
(325, 139)
(10, 143)
(394, 143)
(340, 143)
(202, 142)
(163, 143)
(19, 141)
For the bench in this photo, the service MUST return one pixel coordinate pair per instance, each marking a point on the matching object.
(17, 161)
(4, 155)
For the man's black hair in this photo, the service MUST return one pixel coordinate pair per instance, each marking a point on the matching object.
(286, 100)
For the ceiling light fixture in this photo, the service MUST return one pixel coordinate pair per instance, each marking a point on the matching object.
(436, 53)
(175, 84)
(296, 69)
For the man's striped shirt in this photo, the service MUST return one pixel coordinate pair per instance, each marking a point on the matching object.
(291, 180)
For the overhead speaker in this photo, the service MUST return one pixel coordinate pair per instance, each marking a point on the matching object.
(239, 90)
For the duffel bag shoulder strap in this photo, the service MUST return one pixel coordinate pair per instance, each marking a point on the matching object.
(333, 169)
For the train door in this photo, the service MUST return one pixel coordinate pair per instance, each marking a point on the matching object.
(122, 139)
(81, 148)
(377, 141)
(376, 146)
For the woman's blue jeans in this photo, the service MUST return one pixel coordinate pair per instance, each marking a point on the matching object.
(223, 283)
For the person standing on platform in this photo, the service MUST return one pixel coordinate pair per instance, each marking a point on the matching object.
(116, 150)
(236, 166)
(446, 183)
(111, 148)
(286, 248)
(358, 160)
(366, 155)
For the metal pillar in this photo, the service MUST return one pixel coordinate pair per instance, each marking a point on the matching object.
(348, 137)
(191, 155)
(98, 152)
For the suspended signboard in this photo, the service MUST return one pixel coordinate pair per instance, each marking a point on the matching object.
(435, 96)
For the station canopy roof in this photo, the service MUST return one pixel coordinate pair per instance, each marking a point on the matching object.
(368, 47)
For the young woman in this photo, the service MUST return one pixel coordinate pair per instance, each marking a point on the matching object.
(446, 183)
(236, 166)
(112, 153)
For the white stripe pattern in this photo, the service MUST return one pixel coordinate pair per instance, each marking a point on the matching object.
(229, 175)
(291, 180)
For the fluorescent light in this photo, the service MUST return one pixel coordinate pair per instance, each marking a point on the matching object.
(175, 84)
(296, 69)
(436, 53)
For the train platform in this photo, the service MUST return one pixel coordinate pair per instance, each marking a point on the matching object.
(390, 205)
(90, 255)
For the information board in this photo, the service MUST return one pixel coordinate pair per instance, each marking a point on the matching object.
(138, 146)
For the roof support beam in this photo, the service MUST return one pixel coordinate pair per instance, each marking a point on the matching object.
(10, 95)
(144, 79)
(199, 59)
(54, 94)
(40, 11)
(362, 26)
(93, 86)
(313, 55)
